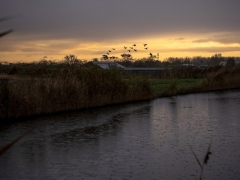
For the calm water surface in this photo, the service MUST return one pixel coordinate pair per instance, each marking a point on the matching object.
(149, 140)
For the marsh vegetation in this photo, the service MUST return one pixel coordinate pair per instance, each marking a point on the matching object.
(47, 87)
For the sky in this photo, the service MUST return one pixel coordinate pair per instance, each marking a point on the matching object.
(90, 28)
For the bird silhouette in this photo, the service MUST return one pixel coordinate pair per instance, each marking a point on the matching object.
(125, 47)
(109, 51)
(135, 50)
(105, 57)
(113, 49)
(129, 50)
(134, 44)
(150, 54)
(144, 45)
(146, 48)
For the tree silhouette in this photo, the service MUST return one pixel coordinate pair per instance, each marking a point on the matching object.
(231, 62)
(126, 56)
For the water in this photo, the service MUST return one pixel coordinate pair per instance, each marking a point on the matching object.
(149, 140)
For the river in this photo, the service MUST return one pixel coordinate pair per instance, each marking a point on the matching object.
(142, 141)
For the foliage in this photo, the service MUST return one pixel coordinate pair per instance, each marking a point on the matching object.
(197, 61)
(230, 62)
(126, 57)
(47, 87)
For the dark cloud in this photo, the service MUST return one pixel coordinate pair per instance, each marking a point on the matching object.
(225, 38)
(104, 20)
(88, 27)
(205, 49)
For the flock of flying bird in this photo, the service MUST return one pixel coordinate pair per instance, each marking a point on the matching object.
(128, 49)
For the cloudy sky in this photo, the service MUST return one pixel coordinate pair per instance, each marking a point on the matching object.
(89, 28)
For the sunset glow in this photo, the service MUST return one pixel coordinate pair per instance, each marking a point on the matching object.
(172, 46)
(90, 30)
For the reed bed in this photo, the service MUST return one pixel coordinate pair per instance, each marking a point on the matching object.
(48, 87)
(71, 89)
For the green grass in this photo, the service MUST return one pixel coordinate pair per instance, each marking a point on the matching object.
(159, 86)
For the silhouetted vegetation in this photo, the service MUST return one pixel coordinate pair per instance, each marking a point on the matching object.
(205, 160)
(197, 61)
(48, 86)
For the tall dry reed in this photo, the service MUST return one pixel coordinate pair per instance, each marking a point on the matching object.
(71, 89)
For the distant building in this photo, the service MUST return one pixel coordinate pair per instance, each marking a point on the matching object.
(187, 65)
(145, 70)
(107, 65)
(222, 63)
(237, 61)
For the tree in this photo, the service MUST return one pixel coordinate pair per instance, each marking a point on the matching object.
(126, 56)
(72, 60)
(230, 62)
(215, 59)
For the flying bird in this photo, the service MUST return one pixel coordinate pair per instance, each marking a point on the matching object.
(105, 57)
(129, 50)
(109, 51)
(135, 50)
(144, 45)
(134, 44)
(146, 48)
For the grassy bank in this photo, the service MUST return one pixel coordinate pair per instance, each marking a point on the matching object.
(217, 79)
(47, 88)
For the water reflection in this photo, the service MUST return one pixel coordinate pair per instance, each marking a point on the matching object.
(147, 140)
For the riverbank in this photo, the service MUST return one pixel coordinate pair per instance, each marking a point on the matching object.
(222, 79)
(78, 87)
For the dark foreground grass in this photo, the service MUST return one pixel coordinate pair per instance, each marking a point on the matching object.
(79, 88)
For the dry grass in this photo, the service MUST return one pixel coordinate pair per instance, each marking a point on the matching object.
(46, 88)
(71, 89)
